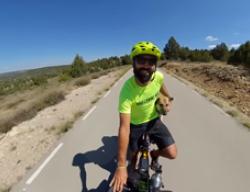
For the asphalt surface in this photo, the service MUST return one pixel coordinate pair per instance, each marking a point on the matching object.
(213, 149)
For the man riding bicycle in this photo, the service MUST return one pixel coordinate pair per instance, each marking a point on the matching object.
(138, 113)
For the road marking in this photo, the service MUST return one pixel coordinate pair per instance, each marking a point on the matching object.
(221, 110)
(115, 84)
(30, 180)
(90, 111)
(195, 92)
(107, 94)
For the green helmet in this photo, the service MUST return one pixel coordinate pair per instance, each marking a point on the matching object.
(145, 47)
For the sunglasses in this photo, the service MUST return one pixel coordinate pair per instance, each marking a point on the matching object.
(143, 60)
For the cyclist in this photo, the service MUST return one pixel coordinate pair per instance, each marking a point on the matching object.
(137, 111)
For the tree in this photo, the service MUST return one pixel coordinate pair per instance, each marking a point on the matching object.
(78, 67)
(200, 55)
(172, 49)
(184, 53)
(241, 55)
(245, 53)
(125, 60)
(162, 56)
(220, 52)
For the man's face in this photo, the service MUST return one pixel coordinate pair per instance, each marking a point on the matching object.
(145, 61)
(144, 66)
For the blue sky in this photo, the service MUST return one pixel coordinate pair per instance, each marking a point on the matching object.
(37, 33)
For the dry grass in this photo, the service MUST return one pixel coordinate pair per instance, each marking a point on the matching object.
(228, 108)
(83, 81)
(5, 189)
(95, 100)
(22, 106)
(233, 113)
(100, 73)
(30, 110)
(14, 103)
(95, 76)
(246, 124)
(65, 127)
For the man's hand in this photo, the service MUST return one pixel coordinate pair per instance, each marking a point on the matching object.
(119, 179)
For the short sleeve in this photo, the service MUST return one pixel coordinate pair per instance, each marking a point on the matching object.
(124, 101)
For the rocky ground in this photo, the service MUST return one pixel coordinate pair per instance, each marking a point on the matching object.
(230, 84)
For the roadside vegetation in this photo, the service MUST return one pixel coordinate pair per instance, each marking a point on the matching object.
(221, 74)
(173, 51)
(22, 96)
(225, 85)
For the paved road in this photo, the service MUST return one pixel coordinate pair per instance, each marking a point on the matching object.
(213, 149)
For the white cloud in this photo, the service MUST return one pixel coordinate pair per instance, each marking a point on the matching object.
(235, 45)
(211, 46)
(211, 38)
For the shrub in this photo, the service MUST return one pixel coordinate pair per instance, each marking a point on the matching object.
(64, 77)
(83, 81)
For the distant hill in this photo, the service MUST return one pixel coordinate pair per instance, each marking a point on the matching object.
(45, 71)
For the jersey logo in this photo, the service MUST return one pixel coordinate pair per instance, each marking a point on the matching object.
(148, 99)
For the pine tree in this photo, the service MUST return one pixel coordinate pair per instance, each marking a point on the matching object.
(220, 52)
(172, 49)
(78, 67)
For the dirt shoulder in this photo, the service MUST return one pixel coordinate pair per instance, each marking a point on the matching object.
(226, 85)
(25, 144)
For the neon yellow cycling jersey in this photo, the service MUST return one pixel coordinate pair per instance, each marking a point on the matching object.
(139, 101)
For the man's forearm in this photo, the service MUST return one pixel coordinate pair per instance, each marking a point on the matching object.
(123, 140)
(164, 91)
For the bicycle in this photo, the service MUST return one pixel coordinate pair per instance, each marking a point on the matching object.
(141, 180)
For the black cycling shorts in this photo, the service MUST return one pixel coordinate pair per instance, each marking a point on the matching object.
(157, 131)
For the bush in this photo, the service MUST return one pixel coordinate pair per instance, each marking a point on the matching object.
(37, 81)
(21, 84)
(64, 77)
(83, 81)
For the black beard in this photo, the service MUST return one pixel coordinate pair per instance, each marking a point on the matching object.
(143, 75)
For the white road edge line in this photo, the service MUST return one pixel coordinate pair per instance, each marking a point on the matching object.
(107, 94)
(221, 110)
(30, 180)
(90, 111)
(195, 92)
(115, 84)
